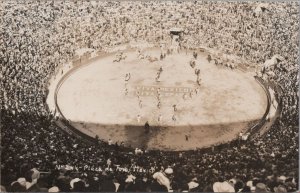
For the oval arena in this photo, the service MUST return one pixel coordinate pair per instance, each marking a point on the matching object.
(97, 100)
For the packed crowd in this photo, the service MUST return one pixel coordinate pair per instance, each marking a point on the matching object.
(37, 37)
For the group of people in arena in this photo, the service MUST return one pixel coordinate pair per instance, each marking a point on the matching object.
(38, 37)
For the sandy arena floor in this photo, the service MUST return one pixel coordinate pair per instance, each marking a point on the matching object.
(93, 99)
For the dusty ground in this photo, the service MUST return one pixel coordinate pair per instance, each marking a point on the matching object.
(93, 98)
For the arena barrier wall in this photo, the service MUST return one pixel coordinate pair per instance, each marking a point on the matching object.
(254, 129)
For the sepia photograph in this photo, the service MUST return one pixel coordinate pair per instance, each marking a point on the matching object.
(149, 96)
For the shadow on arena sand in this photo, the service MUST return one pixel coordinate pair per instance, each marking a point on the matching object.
(174, 138)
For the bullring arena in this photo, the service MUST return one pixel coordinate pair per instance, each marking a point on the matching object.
(97, 100)
(149, 96)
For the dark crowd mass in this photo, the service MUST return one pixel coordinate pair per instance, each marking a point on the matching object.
(37, 37)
